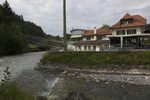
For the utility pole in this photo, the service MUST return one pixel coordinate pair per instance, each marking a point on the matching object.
(64, 24)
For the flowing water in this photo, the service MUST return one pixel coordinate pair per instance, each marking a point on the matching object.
(22, 67)
(41, 82)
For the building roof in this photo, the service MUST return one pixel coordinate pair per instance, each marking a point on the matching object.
(98, 32)
(76, 36)
(127, 16)
(88, 32)
(137, 21)
(105, 31)
(98, 42)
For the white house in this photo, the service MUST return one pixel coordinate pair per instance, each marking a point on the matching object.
(128, 32)
(93, 40)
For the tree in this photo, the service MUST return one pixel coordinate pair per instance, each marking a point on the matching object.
(57, 38)
(104, 26)
(7, 8)
(8, 15)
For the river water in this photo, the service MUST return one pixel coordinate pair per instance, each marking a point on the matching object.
(41, 82)
(22, 68)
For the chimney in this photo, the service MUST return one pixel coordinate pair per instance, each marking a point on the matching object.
(95, 33)
(94, 30)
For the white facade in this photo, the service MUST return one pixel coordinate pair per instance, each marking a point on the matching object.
(139, 30)
(91, 38)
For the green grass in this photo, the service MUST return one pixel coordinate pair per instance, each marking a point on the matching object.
(32, 45)
(92, 59)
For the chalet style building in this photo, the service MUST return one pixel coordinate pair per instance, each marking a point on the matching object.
(128, 32)
(93, 40)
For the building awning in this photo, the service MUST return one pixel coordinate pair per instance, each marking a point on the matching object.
(98, 42)
(76, 36)
(131, 35)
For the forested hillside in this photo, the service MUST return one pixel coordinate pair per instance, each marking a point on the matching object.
(29, 28)
(12, 28)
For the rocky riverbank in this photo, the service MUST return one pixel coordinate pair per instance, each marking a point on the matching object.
(135, 74)
(111, 69)
(115, 82)
(103, 86)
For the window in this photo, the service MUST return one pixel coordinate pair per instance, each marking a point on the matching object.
(85, 47)
(76, 47)
(99, 38)
(94, 48)
(79, 47)
(129, 21)
(131, 31)
(121, 32)
(88, 38)
(89, 47)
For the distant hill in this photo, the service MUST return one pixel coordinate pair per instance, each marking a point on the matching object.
(29, 28)
(7, 15)
(12, 28)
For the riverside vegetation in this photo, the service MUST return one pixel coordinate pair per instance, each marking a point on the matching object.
(80, 59)
(10, 90)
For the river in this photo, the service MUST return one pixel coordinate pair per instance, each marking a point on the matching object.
(41, 82)
(22, 67)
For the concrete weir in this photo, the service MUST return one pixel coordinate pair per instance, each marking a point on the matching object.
(59, 90)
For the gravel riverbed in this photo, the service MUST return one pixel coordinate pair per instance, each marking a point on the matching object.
(111, 86)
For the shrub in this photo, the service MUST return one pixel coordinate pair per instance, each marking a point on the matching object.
(86, 58)
(10, 90)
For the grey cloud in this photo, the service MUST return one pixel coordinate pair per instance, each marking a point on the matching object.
(80, 13)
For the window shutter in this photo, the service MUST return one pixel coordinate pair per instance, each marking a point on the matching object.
(117, 32)
(127, 31)
(123, 32)
(134, 31)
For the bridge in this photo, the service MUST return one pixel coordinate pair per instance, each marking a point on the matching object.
(44, 41)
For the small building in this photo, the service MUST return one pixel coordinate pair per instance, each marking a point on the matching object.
(93, 40)
(128, 32)
(76, 34)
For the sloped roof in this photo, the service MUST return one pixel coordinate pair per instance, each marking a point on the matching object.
(88, 32)
(137, 21)
(105, 31)
(98, 32)
(127, 16)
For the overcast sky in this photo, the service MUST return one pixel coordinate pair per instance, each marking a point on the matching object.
(81, 14)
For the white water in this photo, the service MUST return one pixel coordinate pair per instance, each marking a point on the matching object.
(23, 66)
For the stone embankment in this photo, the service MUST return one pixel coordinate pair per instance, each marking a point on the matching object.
(135, 74)
(109, 69)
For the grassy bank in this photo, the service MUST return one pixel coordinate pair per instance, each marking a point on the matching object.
(31, 45)
(87, 58)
